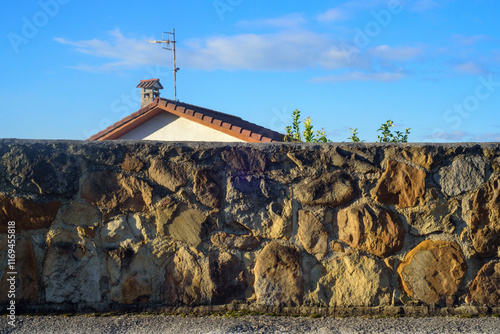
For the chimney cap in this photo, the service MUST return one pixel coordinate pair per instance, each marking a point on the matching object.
(150, 84)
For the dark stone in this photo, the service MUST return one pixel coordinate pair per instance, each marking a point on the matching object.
(41, 170)
(206, 190)
(28, 214)
(330, 189)
(245, 160)
(485, 289)
(117, 191)
(228, 278)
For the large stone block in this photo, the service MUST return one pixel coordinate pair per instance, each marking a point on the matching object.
(190, 226)
(71, 269)
(135, 270)
(183, 277)
(485, 289)
(80, 214)
(330, 190)
(354, 280)
(278, 276)
(122, 231)
(27, 214)
(462, 175)
(435, 216)
(170, 175)
(433, 271)
(401, 185)
(370, 229)
(312, 234)
(117, 191)
(227, 277)
(245, 160)
(260, 205)
(206, 190)
(484, 222)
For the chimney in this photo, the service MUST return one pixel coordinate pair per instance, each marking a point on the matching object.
(150, 90)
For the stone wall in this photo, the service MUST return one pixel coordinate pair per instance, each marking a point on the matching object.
(120, 225)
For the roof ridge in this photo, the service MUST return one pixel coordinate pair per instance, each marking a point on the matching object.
(230, 124)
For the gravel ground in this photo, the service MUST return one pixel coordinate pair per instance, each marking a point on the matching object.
(142, 324)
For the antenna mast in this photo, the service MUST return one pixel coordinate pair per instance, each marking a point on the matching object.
(168, 41)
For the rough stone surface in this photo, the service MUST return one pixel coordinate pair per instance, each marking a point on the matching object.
(485, 289)
(80, 214)
(423, 156)
(189, 226)
(331, 189)
(370, 229)
(182, 283)
(462, 175)
(354, 280)
(485, 217)
(206, 189)
(401, 185)
(278, 276)
(26, 279)
(227, 277)
(245, 160)
(132, 163)
(134, 284)
(40, 169)
(122, 231)
(312, 234)
(230, 241)
(433, 271)
(117, 191)
(128, 225)
(28, 214)
(170, 175)
(433, 217)
(71, 270)
(250, 203)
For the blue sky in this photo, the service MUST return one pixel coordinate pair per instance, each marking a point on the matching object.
(70, 68)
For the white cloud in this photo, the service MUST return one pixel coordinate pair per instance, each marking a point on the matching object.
(487, 137)
(461, 136)
(469, 68)
(353, 8)
(286, 51)
(332, 15)
(280, 51)
(361, 76)
(455, 136)
(122, 51)
(469, 40)
(288, 21)
(389, 53)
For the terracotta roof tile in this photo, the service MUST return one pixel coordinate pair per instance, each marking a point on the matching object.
(229, 124)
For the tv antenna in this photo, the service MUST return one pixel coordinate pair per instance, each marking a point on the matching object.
(165, 39)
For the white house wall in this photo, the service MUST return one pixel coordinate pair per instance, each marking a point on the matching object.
(168, 127)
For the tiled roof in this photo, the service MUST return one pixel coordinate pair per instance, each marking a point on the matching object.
(229, 124)
(150, 84)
